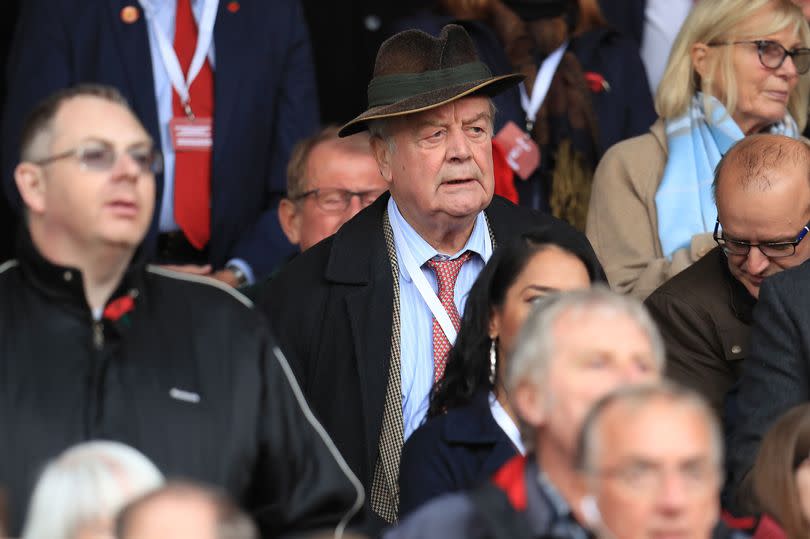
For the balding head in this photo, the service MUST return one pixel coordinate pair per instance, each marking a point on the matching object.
(753, 161)
(762, 190)
(183, 510)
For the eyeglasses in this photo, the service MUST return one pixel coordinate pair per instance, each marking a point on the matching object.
(771, 249)
(336, 200)
(647, 478)
(101, 157)
(772, 54)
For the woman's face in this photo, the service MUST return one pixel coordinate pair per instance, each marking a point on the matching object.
(803, 488)
(548, 271)
(762, 92)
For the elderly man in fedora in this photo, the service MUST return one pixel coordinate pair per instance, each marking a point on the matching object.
(368, 315)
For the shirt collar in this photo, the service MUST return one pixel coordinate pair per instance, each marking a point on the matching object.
(422, 251)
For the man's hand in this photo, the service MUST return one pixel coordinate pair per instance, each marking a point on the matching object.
(226, 276)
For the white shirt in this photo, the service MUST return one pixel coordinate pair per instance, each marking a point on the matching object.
(662, 22)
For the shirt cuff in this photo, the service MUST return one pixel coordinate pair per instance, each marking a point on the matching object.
(244, 266)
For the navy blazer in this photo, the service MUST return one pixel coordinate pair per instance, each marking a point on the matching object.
(627, 16)
(454, 451)
(264, 85)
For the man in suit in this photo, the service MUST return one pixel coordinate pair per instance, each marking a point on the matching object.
(551, 386)
(360, 312)
(258, 70)
(762, 194)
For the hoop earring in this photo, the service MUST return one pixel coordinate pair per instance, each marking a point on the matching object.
(493, 360)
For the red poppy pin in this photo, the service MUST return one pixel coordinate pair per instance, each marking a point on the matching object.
(119, 307)
(596, 82)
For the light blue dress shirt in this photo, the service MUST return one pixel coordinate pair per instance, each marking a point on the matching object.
(416, 320)
(163, 12)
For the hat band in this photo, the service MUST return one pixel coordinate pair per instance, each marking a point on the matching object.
(388, 89)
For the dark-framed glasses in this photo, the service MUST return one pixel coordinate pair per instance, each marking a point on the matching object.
(100, 157)
(771, 249)
(772, 54)
(335, 200)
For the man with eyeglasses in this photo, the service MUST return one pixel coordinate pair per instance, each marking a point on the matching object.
(762, 192)
(776, 376)
(329, 180)
(96, 344)
(652, 460)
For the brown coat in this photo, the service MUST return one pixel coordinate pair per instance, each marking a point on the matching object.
(704, 315)
(623, 221)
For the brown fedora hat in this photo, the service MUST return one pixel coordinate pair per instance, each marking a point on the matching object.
(415, 71)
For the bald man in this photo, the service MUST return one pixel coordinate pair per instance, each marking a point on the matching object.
(762, 190)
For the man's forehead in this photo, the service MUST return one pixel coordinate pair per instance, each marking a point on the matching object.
(91, 117)
(464, 109)
(639, 430)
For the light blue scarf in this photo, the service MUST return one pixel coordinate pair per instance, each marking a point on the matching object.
(696, 143)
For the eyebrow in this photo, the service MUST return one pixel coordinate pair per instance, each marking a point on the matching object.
(783, 239)
(477, 117)
(541, 288)
(143, 142)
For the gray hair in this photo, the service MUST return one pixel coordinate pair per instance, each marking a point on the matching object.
(638, 397)
(231, 521)
(535, 347)
(86, 483)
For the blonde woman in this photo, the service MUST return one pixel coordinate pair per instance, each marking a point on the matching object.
(737, 67)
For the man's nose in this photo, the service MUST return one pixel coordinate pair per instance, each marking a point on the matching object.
(756, 262)
(458, 147)
(355, 205)
(126, 166)
(673, 494)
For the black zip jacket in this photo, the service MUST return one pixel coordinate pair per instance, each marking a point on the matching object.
(179, 368)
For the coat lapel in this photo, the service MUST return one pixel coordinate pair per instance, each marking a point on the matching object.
(362, 261)
(229, 46)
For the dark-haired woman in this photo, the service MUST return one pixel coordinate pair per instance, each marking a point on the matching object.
(471, 428)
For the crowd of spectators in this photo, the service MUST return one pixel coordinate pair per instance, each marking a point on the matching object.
(461, 268)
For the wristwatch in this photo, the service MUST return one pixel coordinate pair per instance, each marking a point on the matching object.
(241, 278)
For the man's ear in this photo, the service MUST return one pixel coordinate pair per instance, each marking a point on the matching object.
(382, 153)
(31, 183)
(290, 219)
(530, 404)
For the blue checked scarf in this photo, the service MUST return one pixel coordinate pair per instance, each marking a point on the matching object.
(696, 143)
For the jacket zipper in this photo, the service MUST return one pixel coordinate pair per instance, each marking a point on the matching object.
(98, 335)
(92, 402)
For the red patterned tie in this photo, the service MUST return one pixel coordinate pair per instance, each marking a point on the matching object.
(192, 169)
(446, 274)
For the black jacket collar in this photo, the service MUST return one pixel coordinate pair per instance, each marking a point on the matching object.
(63, 284)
